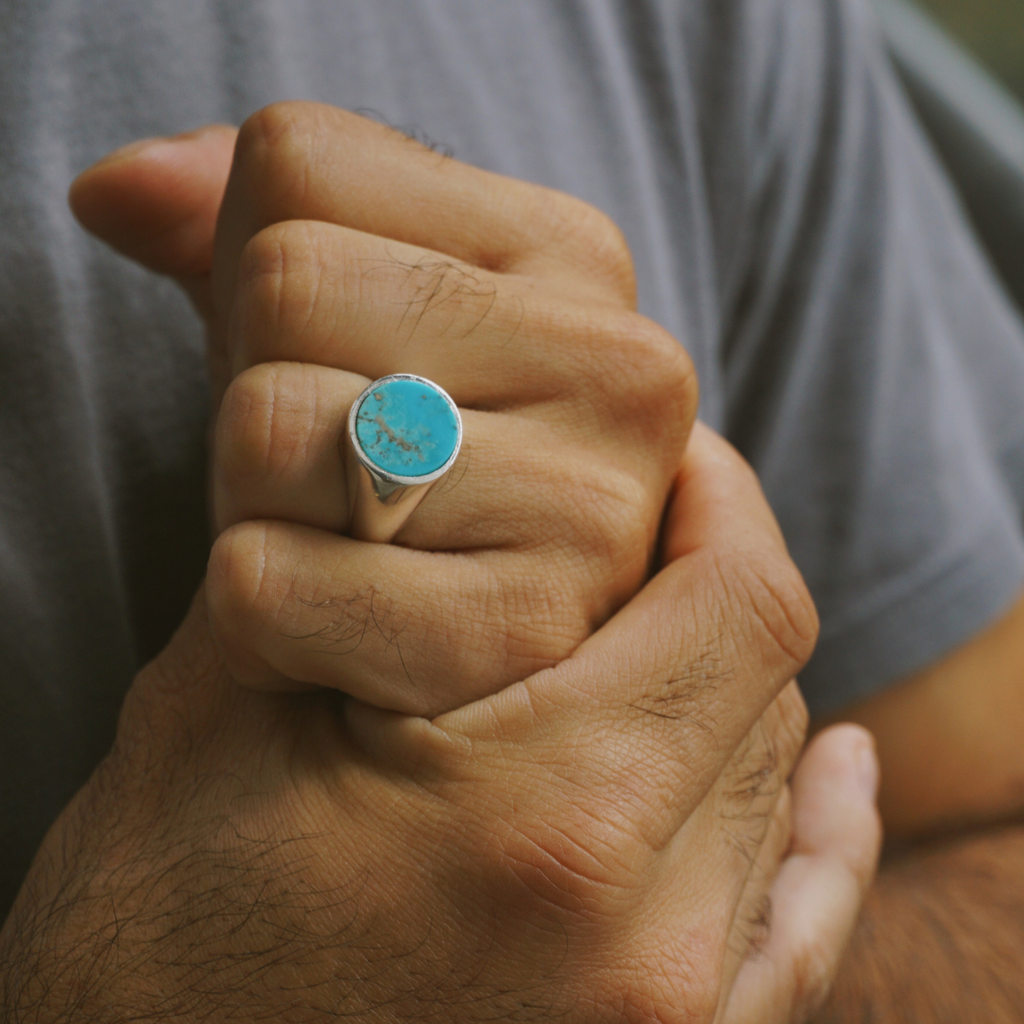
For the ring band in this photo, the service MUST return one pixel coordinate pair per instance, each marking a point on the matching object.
(404, 434)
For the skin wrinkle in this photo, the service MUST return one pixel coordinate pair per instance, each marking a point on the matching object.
(678, 697)
(796, 635)
(432, 294)
(282, 151)
(314, 413)
(615, 822)
(742, 584)
(758, 782)
(504, 592)
(272, 272)
(313, 299)
(272, 431)
(566, 867)
(547, 875)
(563, 773)
(534, 619)
(287, 277)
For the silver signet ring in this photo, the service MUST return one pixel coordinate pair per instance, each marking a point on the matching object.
(404, 434)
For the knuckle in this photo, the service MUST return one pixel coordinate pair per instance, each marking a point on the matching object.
(612, 529)
(664, 372)
(560, 861)
(610, 250)
(641, 372)
(599, 244)
(264, 428)
(278, 298)
(239, 588)
(266, 126)
(274, 142)
(773, 600)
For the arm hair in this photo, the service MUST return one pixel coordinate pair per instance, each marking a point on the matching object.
(940, 939)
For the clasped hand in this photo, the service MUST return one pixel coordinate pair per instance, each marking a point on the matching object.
(477, 805)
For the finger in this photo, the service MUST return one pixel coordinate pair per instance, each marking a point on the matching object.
(277, 447)
(316, 292)
(278, 456)
(743, 814)
(156, 201)
(705, 486)
(306, 161)
(821, 885)
(740, 805)
(411, 631)
(653, 706)
(754, 912)
(752, 919)
(724, 858)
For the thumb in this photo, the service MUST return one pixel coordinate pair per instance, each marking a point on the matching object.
(818, 891)
(156, 201)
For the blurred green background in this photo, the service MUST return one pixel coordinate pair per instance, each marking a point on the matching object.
(993, 30)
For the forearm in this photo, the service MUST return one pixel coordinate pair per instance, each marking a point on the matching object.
(941, 938)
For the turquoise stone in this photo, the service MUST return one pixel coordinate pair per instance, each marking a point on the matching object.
(406, 428)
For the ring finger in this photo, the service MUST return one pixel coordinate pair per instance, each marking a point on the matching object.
(278, 456)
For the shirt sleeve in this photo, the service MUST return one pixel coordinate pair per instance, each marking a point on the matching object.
(874, 368)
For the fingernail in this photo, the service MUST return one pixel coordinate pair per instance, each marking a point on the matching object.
(867, 770)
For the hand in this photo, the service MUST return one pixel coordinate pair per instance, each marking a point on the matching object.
(181, 233)
(592, 843)
(345, 252)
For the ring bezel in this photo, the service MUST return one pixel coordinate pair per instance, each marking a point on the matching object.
(386, 484)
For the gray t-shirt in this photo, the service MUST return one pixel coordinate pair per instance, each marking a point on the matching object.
(788, 223)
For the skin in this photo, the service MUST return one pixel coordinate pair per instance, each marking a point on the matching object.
(971, 702)
(247, 795)
(939, 938)
(338, 263)
(593, 843)
(948, 737)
